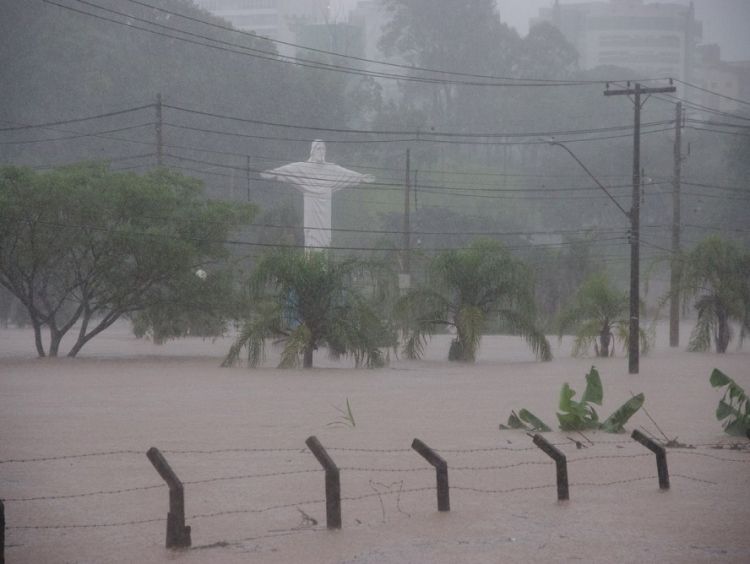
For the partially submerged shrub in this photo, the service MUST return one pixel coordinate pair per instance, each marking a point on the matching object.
(734, 408)
(580, 415)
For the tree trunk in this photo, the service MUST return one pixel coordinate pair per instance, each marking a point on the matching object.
(605, 338)
(307, 360)
(38, 337)
(723, 331)
(84, 337)
(55, 337)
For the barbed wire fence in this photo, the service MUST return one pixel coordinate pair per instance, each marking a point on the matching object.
(178, 533)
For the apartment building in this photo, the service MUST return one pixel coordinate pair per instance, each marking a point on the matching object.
(652, 39)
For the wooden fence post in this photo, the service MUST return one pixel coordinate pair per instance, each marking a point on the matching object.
(560, 461)
(441, 470)
(178, 535)
(661, 457)
(333, 483)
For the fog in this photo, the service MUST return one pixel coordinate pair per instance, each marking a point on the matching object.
(412, 219)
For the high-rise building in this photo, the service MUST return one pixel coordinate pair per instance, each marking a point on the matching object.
(730, 80)
(654, 40)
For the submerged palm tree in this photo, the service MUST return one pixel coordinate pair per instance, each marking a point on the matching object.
(308, 300)
(467, 289)
(598, 315)
(717, 275)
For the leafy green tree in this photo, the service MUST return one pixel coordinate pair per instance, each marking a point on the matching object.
(468, 288)
(717, 275)
(308, 300)
(598, 315)
(81, 246)
(201, 305)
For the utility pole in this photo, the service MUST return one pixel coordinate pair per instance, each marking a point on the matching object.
(676, 267)
(407, 224)
(159, 135)
(247, 174)
(635, 218)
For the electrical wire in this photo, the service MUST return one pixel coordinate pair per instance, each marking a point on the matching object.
(274, 57)
(410, 68)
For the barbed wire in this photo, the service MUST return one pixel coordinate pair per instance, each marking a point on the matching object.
(86, 494)
(605, 457)
(254, 511)
(737, 447)
(355, 469)
(70, 456)
(85, 526)
(503, 491)
(372, 450)
(693, 479)
(488, 449)
(706, 455)
(250, 476)
(300, 450)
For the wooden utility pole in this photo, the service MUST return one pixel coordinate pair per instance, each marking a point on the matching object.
(675, 278)
(159, 133)
(407, 217)
(635, 218)
(247, 173)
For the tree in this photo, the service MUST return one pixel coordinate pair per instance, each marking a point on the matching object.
(455, 36)
(83, 246)
(308, 300)
(468, 288)
(599, 315)
(717, 275)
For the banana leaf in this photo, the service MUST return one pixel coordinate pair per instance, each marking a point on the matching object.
(527, 421)
(734, 408)
(536, 423)
(616, 421)
(594, 391)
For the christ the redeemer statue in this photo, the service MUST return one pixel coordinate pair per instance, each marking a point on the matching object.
(317, 180)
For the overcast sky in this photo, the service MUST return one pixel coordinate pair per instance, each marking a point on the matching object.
(726, 22)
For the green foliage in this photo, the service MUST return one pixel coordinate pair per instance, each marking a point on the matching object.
(580, 415)
(212, 301)
(734, 407)
(615, 423)
(466, 289)
(306, 300)
(527, 421)
(599, 316)
(82, 245)
(717, 275)
(345, 418)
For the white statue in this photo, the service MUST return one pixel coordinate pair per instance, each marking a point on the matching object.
(317, 180)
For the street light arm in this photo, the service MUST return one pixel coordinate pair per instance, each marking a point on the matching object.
(594, 178)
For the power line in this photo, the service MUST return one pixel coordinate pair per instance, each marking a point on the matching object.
(365, 60)
(696, 87)
(398, 186)
(598, 242)
(275, 57)
(260, 54)
(76, 120)
(77, 136)
(423, 135)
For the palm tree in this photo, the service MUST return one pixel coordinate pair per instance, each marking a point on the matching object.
(717, 275)
(599, 316)
(467, 288)
(308, 300)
